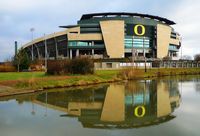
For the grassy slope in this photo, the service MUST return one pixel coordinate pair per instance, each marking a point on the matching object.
(20, 75)
(38, 80)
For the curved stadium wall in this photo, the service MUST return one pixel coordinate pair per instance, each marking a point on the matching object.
(110, 35)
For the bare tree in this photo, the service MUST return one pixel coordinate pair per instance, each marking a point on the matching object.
(186, 57)
(197, 57)
(21, 60)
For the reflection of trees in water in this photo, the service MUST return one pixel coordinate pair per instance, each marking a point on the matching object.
(197, 86)
(195, 79)
(140, 86)
(152, 86)
(173, 87)
(62, 98)
(20, 98)
(89, 103)
(188, 78)
(134, 86)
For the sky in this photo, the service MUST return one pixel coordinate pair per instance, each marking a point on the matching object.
(17, 17)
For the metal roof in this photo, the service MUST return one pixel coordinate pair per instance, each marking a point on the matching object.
(107, 14)
(68, 26)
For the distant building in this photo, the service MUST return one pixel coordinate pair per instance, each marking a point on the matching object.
(110, 35)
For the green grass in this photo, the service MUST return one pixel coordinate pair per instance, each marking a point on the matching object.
(157, 72)
(39, 80)
(106, 74)
(20, 75)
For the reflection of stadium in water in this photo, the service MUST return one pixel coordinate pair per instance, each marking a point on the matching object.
(129, 105)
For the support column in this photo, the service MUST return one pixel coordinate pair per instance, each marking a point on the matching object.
(136, 53)
(70, 53)
(37, 51)
(92, 53)
(77, 53)
(144, 53)
(56, 46)
(32, 52)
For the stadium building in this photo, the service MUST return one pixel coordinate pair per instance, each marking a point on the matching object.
(110, 35)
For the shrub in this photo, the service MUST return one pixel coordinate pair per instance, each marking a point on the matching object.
(74, 66)
(21, 60)
(82, 66)
(197, 57)
(131, 73)
(7, 68)
(167, 58)
(58, 67)
(37, 65)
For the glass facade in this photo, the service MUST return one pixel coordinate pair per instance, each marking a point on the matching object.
(137, 42)
(79, 44)
(173, 47)
(84, 44)
(137, 98)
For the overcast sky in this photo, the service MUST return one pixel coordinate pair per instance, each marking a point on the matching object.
(18, 16)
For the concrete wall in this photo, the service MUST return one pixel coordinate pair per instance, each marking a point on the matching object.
(83, 37)
(114, 104)
(113, 35)
(107, 65)
(45, 37)
(163, 40)
(163, 100)
(174, 41)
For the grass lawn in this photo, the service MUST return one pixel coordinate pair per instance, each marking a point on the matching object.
(27, 75)
(20, 75)
(39, 80)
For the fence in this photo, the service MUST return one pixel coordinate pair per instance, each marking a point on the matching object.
(176, 64)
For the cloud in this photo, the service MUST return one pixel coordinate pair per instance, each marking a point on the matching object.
(18, 16)
(188, 25)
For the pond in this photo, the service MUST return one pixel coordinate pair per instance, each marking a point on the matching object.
(166, 106)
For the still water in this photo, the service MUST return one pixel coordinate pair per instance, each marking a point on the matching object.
(167, 107)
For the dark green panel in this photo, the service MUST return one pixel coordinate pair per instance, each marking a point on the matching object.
(149, 30)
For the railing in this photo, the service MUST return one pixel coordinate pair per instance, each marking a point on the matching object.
(176, 64)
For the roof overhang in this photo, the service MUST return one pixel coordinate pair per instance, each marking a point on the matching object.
(69, 26)
(107, 14)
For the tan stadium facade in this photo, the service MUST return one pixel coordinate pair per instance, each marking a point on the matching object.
(110, 35)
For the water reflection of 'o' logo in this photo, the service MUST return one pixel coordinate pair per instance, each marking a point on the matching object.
(139, 111)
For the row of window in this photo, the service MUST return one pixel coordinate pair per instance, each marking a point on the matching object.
(84, 44)
(129, 43)
(74, 43)
(140, 43)
(173, 47)
(137, 42)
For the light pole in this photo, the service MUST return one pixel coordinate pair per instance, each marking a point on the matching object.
(45, 48)
(145, 67)
(32, 30)
(33, 108)
(133, 53)
(46, 98)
